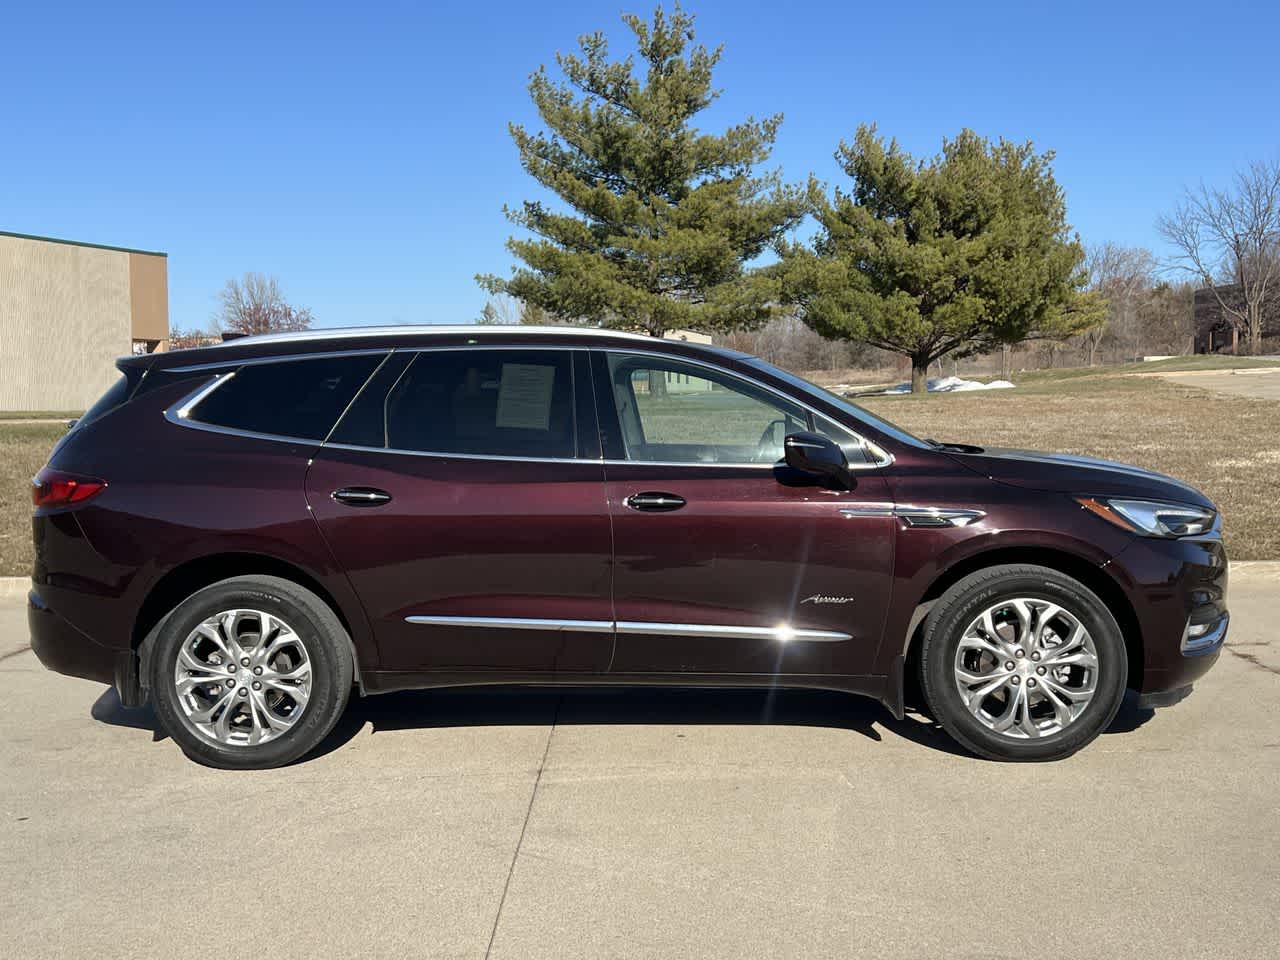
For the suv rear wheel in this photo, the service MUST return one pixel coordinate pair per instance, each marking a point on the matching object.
(1022, 662)
(250, 673)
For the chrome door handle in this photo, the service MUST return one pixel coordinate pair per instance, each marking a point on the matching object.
(361, 496)
(653, 502)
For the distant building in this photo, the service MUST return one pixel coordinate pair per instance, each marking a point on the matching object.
(67, 311)
(1214, 329)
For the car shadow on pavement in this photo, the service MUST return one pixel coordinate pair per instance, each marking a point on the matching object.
(620, 706)
(538, 706)
(109, 710)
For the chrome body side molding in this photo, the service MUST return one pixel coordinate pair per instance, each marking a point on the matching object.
(517, 623)
(783, 633)
(916, 516)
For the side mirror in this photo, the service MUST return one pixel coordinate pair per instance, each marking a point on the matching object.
(817, 456)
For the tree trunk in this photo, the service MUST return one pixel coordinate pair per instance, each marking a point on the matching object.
(919, 376)
(657, 378)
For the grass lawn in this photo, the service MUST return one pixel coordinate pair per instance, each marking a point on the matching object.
(24, 448)
(1227, 446)
(63, 415)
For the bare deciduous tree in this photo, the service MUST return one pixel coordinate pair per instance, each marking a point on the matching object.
(180, 339)
(1123, 275)
(1166, 318)
(254, 304)
(1231, 238)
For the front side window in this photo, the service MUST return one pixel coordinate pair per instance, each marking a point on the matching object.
(290, 398)
(499, 403)
(675, 412)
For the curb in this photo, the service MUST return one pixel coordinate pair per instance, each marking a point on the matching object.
(13, 587)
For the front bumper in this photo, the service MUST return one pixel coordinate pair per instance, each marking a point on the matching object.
(1179, 593)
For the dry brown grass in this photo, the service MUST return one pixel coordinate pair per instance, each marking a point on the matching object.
(1229, 447)
(24, 448)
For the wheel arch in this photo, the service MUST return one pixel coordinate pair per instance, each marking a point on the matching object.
(196, 574)
(1089, 573)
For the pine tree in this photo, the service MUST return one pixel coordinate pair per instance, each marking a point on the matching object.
(660, 220)
(955, 255)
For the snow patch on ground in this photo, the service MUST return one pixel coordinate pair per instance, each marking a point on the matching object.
(954, 385)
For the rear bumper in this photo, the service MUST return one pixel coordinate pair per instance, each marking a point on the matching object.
(64, 649)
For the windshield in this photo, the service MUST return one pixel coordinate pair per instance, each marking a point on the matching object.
(865, 416)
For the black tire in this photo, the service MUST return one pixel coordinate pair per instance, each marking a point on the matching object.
(963, 603)
(327, 647)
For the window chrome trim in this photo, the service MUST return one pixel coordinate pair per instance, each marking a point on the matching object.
(180, 413)
(438, 455)
(783, 633)
(184, 408)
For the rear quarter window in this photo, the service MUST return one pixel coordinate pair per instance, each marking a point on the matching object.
(289, 398)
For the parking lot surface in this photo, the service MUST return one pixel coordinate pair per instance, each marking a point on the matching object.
(588, 824)
(1261, 383)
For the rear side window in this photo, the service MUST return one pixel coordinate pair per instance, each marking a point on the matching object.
(502, 403)
(292, 398)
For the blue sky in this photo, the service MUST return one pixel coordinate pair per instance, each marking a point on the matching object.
(358, 151)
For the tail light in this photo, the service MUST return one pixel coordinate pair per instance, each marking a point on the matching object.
(53, 488)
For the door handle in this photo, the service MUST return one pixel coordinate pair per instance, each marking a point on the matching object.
(653, 502)
(361, 496)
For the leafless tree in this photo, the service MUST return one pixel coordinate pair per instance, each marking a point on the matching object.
(180, 339)
(254, 304)
(1231, 239)
(500, 311)
(1123, 275)
(1166, 318)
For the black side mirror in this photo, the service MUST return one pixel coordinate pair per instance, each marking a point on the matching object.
(817, 456)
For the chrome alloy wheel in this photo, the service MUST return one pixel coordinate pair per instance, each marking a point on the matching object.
(1026, 668)
(243, 677)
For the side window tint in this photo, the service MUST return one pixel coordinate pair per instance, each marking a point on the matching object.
(515, 403)
(365, 422)
(292, 398)
(676, 412)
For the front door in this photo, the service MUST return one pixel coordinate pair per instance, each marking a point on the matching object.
(726, 562)
(463, 495)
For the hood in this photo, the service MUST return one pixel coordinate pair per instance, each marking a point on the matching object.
(1067, 473)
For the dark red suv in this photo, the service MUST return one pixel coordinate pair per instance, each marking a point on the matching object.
(245, 532)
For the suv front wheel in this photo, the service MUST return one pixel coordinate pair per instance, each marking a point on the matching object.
(249, 673)
(1021, 662)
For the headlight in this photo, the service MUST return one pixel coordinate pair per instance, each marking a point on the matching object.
(1153, 518)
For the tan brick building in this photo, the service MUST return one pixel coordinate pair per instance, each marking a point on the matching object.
(67, 311)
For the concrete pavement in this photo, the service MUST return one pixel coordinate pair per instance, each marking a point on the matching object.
(1262, 383)
(531, 824)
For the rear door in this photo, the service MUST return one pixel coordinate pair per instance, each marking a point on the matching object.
(463, 494)
(726, 562)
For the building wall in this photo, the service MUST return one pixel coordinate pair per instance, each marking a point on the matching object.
(66, 313)
(149, 297)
